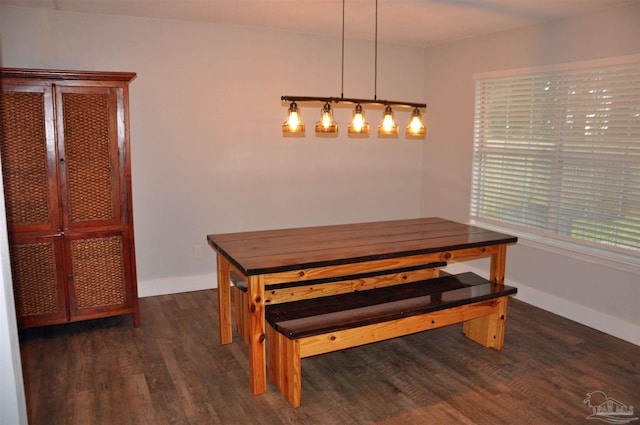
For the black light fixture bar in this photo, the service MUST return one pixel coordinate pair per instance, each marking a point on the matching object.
(352, 100)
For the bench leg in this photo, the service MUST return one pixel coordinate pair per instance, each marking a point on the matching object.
(240, 307)
(489, 330)
(285, 366)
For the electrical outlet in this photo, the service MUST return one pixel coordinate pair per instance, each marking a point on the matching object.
(198, 252)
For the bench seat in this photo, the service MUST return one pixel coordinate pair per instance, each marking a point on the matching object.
(309, 327)
(314, 288)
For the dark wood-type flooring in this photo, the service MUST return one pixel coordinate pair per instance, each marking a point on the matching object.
(173, 370)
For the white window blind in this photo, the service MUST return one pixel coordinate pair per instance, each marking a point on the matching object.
(558, 154)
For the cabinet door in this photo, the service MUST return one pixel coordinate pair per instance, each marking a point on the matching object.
(88, 141)
(38, 280)
(29, 163)
(99, 274)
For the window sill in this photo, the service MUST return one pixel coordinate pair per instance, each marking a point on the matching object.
(624, 262)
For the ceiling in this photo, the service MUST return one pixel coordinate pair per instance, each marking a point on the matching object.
(406, 22)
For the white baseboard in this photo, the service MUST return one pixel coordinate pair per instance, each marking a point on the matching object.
(579, 313)
(175, 285)
(611, 325)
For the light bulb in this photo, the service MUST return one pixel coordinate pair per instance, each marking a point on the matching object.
(387, 123)
(358, 122)
(415, 124)
(326, 119)
(294, 121)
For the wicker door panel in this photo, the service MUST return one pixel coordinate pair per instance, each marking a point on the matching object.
(88, 140)
(28, 158)
(38, 280)
(99, 273)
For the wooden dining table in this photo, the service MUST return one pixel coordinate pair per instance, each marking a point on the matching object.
(283, 256)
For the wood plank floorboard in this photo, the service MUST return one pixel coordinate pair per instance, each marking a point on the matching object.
(173, 370)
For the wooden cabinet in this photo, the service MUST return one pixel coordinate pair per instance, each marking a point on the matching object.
(64, 141)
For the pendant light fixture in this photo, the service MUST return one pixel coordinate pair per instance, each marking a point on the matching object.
(358, 125)
(294, 123)
(326, 123)
(416, 128)
(388, 125)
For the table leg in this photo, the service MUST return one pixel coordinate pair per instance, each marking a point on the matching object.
(257, 335)
(224, 301)
(498, 265)
(489, 330)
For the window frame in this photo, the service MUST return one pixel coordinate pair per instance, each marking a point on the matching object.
(625, 258)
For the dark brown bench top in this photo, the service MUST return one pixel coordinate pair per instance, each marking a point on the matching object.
(327, 314)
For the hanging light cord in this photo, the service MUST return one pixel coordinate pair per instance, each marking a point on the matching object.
(328, 99)
(375, 66)
(342, 83)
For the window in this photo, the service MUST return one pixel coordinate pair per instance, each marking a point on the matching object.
(557, 154)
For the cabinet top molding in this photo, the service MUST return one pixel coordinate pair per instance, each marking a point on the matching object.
(57, 74)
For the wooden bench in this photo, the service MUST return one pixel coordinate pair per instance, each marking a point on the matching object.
(309, 327)
(314, 288)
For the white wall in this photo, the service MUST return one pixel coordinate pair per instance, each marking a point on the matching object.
(207, 148)
(597, 294)
(13, 408)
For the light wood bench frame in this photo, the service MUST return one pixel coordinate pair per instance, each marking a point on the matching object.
(483, 322)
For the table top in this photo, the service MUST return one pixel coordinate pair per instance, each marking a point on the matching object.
(274, 251)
